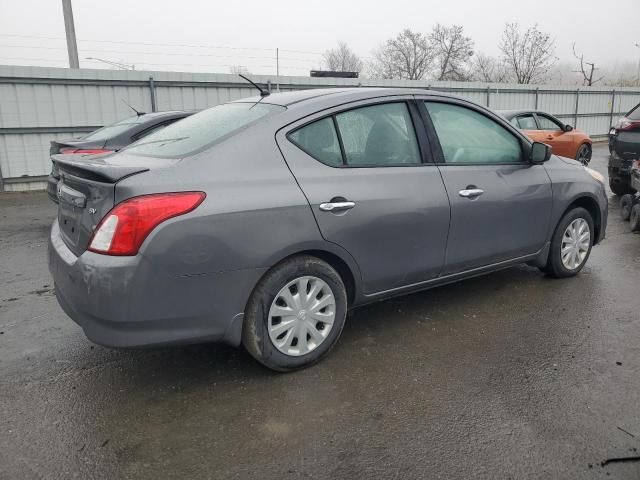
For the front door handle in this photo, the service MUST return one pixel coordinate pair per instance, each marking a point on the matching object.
(336, 206)
(471, 192)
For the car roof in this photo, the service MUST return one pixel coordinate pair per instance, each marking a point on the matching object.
(287, 99)
(509, 114)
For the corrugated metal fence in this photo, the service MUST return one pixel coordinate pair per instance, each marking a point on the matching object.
(39, 104)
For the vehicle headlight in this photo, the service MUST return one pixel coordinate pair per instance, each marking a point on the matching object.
(597, 176)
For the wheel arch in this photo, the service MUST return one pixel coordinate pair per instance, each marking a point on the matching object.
(590, 204)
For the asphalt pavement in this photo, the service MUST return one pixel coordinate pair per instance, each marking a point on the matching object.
(510, 375)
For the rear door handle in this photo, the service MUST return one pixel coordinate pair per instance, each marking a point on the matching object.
(336, 206)
(471, 192)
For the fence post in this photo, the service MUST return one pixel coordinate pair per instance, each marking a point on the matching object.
(152, 91)
(537, 92)
(575, 113)
(1, 181)
(488, 96)
(613, 102)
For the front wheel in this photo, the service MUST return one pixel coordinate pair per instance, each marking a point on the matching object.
(295, 314)
(584, 154)
(571, 244)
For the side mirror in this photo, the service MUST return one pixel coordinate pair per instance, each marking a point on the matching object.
(540, 153)
(568, 128)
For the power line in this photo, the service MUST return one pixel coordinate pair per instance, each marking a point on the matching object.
(128, 52)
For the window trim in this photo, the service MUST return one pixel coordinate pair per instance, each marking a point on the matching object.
(416, 122)
(525, 143)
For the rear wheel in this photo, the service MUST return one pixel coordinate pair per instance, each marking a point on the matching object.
(626, 204)
(571, 244)
(635, 218)
(295, 314)
(584, 154)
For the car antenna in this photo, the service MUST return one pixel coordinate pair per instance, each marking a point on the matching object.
(263, 93)
(137, 112)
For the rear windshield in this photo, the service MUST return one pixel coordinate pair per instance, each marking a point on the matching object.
(634, 114)
(114, 129)
(201, 130)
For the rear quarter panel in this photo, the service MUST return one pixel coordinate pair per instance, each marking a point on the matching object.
(254, 214)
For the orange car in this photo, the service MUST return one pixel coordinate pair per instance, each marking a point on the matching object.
(564, 140)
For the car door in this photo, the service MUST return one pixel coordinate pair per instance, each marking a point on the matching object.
(372, 189)
(500, 202)
(552, 133)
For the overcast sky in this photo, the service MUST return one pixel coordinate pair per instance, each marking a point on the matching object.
(187, 35)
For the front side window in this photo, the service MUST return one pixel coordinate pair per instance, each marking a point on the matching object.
(547, 124)
(527, 122)
(467, 136)
(372, 136)
(201, 130)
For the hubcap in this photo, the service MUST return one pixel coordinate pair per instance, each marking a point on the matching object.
(575, 244)
(301, 316)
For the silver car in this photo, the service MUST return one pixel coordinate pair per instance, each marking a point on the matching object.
(263, 221)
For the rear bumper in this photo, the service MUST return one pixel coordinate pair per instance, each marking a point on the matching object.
(128, 302)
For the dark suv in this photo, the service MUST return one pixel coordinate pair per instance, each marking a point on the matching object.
(624, 146)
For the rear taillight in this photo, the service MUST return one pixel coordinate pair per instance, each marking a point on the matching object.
(625, 123)
(125, 227)
(85, 151)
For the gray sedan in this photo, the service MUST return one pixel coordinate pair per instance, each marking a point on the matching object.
(263, 221)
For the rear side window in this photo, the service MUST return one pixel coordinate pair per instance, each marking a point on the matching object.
(467, 136)
(199, 131)
(319, 139)
(379, 135)
(376, 135)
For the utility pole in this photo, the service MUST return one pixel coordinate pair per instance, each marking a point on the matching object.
(70, 29)
(278, 70)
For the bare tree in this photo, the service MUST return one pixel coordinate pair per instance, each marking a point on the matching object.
(489, 69)
(529, 54)
(342, 59)
(239, 69)
(453, 51)
(587, 69)
(407, 56)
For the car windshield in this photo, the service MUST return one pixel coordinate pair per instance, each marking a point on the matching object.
(114, 129)
(201, 130)
(634, 114)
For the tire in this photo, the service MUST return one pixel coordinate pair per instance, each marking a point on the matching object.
(260, 330)
(584, 154)
(635, 218)
(556, 267)
(619, 186)
(626, 204)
